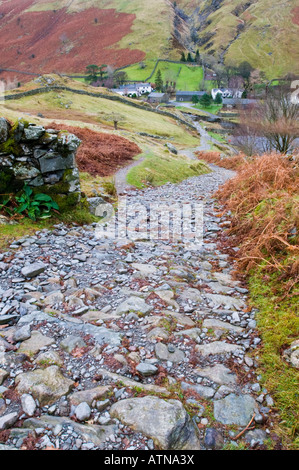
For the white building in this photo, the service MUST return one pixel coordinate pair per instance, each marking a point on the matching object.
(133, 90)
(226, 93)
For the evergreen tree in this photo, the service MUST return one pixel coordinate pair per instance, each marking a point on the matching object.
(195, 99)
(189, 58)
(183, 57)
(218, 99)
(197, 57)
(159, 81)
(205, 100)
(92, 71)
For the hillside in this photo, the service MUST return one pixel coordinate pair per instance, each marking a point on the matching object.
(66, 36)
(262, 32)
(43, 37)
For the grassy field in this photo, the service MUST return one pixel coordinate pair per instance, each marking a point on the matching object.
(187, 77)
(99, 112)
(213, 109)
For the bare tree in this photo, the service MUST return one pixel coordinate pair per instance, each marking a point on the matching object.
(279, 119)
(272, 125)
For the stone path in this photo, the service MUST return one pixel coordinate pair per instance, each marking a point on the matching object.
(128, 344)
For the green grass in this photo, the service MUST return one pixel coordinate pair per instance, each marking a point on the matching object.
(213, 109)
(26, 227)
(218, 137)
(187, 77)
(157, 170)
(90, 110)
(278, 325)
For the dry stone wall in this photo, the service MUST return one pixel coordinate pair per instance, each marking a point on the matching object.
(44, 159)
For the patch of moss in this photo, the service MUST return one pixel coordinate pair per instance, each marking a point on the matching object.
(278, 325)
(11, 145)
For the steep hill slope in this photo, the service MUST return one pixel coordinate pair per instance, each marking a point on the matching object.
(67, 35)
(262, 32)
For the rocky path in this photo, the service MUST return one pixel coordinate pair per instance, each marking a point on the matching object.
(120, 344)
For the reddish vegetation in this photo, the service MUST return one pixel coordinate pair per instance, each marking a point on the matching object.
(54, 40)
(295, 17)
(100, 154)
(262, 198)
(231, 163)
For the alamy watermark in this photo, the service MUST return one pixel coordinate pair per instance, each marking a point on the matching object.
(157, 221)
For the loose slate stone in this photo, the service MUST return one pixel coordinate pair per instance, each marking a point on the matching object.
(7, 421)
(33, 270)
(83, 411)
(88, 396)
(72, 342)
(146, 369)
(28, 404)
(213, 439)
(162, 352)
(218, 374)
(134, 304)
(201, 390)
(35, 343)
(221, 325)
(217, 347)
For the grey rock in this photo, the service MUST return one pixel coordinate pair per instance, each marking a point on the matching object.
(88, 433)
(256, 436)
(83, 411)
(166, 422)
(218, 374)
(45, 385)
(201, 390)
(35, 343)
(216, 347)
(235, 409)
(28, 404)
(162, 352)
(172, 148)
(291, 354)
(4, 129)
(134, 304)
(52, 161)
(71, 342)
(7, 421)
(3, 375)
(213, 439)
(146, 369)
(89, 396)
(33, 270)
(221, 325)
(34, 132)
(21, 334)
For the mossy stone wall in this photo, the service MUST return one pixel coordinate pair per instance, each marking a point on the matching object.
(44, 159)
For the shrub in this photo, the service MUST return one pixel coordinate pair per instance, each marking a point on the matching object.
(38, 206)
(263, 198)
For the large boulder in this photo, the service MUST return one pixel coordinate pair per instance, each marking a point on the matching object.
(45, 385)
(166, 422)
